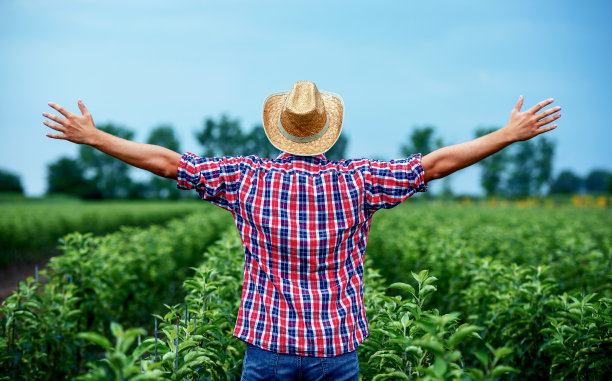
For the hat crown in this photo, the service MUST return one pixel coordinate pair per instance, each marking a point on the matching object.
(303, 113)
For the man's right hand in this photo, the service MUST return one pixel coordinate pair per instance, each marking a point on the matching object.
(75, 128)
(525, 125)
(82, 130)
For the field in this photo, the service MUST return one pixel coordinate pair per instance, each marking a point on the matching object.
(452, 291)
(29, 229)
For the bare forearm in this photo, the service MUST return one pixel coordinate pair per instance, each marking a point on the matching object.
(158, 160)
(446, 160)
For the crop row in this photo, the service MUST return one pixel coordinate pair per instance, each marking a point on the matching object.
(124, 276)
(29, 230)
(537, 280)
(452, 292)
(573, 245)
(194, 339)
(409, 338)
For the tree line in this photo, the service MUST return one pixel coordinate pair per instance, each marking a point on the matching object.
(523, 169)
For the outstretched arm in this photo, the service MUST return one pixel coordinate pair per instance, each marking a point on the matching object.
(521, 126)
(82, 130)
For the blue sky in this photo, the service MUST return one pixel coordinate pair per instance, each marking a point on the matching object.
(454, 65)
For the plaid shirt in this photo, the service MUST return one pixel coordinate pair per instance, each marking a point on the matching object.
(304, 223)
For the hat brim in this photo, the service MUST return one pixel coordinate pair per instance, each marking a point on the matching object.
(334, 107)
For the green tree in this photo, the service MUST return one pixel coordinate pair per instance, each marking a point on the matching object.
(493, 167)
(256, 143)
(531, 167)
(10, 182)
(159, 187)
(566, 182)
(67, 176)
(544, 161)
(421, 140)
(109, 176)
(224, 137)
(221, 138)
(598, 181)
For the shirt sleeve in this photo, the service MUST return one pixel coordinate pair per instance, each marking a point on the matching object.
(215, 179)
(388, 183)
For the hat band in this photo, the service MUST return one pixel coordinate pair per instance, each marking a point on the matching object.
(302, 139)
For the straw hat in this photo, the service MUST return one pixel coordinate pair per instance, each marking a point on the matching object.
(303, 121)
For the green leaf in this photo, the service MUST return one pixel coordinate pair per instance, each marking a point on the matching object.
(501, 352)
(391, 376)
(403, 287)
(440, 366)
(476, 374)
(153, 375)
(432, 345)
(462, 333)
(116, 329)
(482, 357)
(393, 358)
(406, 320)
(95, 338)
(427, 290)
(501, 369)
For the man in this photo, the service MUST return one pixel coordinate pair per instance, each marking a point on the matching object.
(303, 220)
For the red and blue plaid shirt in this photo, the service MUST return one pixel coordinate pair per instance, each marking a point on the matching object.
(304, 223)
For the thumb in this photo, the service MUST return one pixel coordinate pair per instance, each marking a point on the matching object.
(82, 107)
(519, 104)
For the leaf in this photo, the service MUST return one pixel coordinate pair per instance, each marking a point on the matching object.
(391, 376)
(462, 333)
(403, 287)
(501, 352)
(432, 345)
(476, 374)
(440, 366)
(482, 357)
(395, 359)
(427, 290)
(95, 338)
(116, 329)
(501, 369)
(153, 375)
(406, 320)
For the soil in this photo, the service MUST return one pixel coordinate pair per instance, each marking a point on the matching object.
(12, 275)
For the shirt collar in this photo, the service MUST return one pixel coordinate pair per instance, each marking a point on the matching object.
(284, 155)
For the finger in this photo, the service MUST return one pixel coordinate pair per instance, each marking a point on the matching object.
(82, 107)
(54, 126)
(550, 119)
(56, 136)
(546, 129)
(54, 118)
(541, 105)
(548, 112)
(59, 108)
(519, 104)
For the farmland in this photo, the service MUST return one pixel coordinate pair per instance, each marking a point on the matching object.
(29, 229)
(452, 291)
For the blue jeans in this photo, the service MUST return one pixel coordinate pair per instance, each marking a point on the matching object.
(260, 364)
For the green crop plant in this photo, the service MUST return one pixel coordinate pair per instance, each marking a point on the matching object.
(123, 277)
(409, 341)
(194, 339)
(517, 294)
